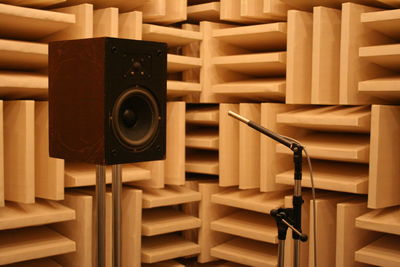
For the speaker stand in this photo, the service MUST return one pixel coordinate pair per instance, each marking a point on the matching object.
(116, 197)
(101, 214)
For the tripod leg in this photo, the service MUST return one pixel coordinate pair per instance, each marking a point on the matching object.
(101, 214)
(116, 197)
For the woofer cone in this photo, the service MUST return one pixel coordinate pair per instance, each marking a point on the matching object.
(135, 118)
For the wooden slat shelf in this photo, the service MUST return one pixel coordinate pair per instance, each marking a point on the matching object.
(179, 88)
(331, 118)
(223, 264)
(308, 5)
(230, 10)
(82, 174)
(164, 264)
(383, 252)
(166, 247)
(248, 252)
(177, 63)
(35, 4)
(216, 61)
(22, 55)
(263, 37)
(339, 147)
(201, 161)
(208, 212)
(203, 139)
(248, 224)
(83, 26)
(203, 116)
(387, 56)
(335, 176)
(208, 12)
(252, 12)
(17, 215)
(387, 22)
(265, 10)
(168, 196)
(259, 64)
(271, 89)
(16, 85)
(166, 220)
(381, 220)
(171, 36)
(385, 87)
(182, 88)
(353, 69)
(35, 263)
(122, 5)
(32, 243)
(31, 24)
(250, 199)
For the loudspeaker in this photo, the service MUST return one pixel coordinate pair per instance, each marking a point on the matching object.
(107, 100)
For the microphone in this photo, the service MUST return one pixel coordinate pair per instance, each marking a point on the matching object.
(263, 130)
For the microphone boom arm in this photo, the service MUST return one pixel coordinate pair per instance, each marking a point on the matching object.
(275, 136)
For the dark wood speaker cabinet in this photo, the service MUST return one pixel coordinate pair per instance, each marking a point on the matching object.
(107, 100)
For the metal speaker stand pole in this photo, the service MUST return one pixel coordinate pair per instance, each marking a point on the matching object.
(101, 214)
(116, 197)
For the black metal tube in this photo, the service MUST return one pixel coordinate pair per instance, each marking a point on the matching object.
(271, 134)
(262, 130)
(297, 198)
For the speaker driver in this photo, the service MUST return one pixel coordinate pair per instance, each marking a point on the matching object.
(135, 118)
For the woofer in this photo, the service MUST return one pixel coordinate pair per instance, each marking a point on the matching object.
(135, 118)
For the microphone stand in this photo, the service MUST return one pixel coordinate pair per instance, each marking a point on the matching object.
(289, 217)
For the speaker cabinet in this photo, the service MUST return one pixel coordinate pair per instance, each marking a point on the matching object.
(107, 100)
